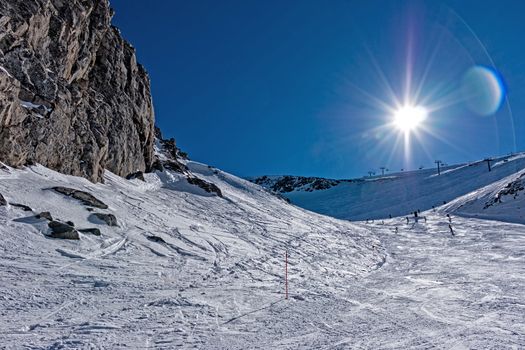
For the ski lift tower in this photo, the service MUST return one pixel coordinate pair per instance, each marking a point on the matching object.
(439, 163)
(488, 160)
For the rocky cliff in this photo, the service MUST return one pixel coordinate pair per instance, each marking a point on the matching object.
(72, 95)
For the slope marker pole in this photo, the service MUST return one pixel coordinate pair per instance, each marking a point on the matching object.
(286, 273)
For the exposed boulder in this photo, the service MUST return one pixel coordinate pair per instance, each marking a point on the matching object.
(21, 206)
(156, 239)
(93, 231)
(205, 185)
(85, 197)
(109, 219)
(2, 200)
(44, 215)
(175, 166)
(72, 95)
(62, 231)
(137, 175)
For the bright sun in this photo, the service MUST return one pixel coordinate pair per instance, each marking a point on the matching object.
(408, 118)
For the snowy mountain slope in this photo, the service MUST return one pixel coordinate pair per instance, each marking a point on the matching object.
(188, 269)
(435, 291)
(396, 194)
(182, 266)
(502, 200)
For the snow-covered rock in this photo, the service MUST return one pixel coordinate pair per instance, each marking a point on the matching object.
(503, 200)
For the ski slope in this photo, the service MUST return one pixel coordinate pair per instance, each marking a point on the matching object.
(503, 200)
(182, 265)
(435, 291)
(213, 276)
(403, 193)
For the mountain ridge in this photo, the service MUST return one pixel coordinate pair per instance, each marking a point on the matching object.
(395, 194)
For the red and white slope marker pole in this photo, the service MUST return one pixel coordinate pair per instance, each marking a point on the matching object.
(286, 273)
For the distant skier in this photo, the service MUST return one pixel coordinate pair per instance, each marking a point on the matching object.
(406, 219)
(449, 218)
(424, 217)
(451, 229)
(396, 230)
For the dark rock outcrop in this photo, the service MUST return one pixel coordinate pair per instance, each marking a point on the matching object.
(512, 189)
(175, 166)
(205, 185)
(72, 95)
(109, 219)
(137, 175)
(62, 231)
(156, 239)
(44, 215)
(21, 206)
(85, 197)
(170, 154)
(171, 158)
(285, 184)
(93, 231)
(2, 200)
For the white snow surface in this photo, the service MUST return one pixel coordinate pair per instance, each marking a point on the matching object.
(218, 268)
(503, 200)
(403, 193)
(217, 282)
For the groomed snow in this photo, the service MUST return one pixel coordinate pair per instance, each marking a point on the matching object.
(435, 291)
(220, 260)
(217, 281)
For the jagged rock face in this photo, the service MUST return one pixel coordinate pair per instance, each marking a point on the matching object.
(72, 96)
(285, 184)
(514, 189)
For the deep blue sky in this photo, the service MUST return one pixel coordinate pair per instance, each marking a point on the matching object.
(290, 87)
